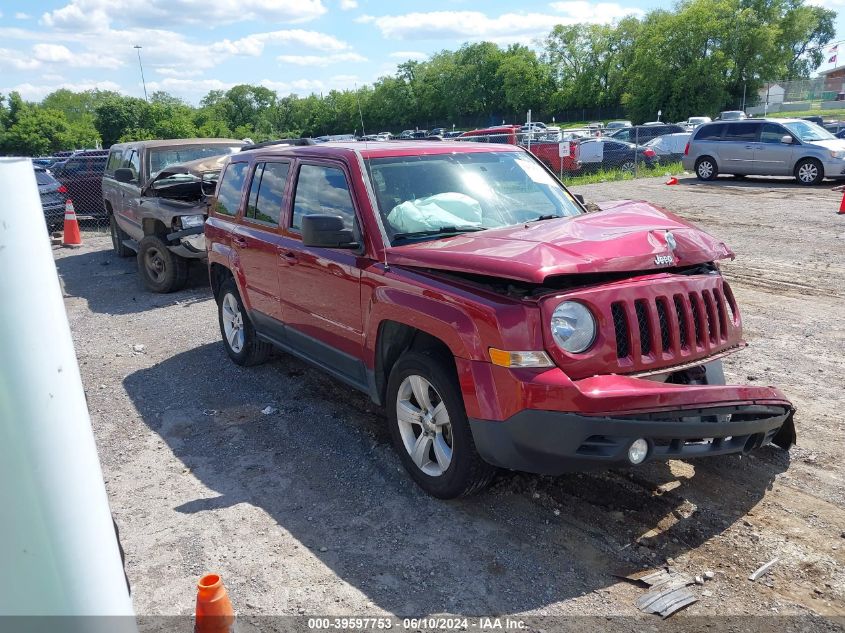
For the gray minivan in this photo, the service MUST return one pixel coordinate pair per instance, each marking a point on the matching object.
(766, 147)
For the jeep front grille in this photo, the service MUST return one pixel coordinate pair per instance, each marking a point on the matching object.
(671, 326)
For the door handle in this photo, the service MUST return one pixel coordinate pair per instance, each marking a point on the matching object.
(239, 241)
(289, 257)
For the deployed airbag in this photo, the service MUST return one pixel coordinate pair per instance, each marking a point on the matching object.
(433, 212)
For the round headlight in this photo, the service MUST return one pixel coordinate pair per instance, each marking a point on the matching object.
(573, 327)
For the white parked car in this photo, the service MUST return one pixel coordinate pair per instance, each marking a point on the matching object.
(669, 148)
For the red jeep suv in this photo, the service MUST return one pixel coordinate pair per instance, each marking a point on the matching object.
(465, 289)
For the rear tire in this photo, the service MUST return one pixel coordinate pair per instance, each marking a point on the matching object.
(238, 333)
(706, 169)
(117, 237)
(161, 270)
(437, 450)
(809, 172)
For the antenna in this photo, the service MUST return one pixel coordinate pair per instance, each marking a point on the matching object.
(360, 113)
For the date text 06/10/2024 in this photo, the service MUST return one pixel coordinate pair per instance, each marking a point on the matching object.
(427, 623)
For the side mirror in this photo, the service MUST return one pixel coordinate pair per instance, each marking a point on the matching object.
(579, 198)
(124, 174)
(786, 138)
(326, 231)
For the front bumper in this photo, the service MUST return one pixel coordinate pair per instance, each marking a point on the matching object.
(191, 243)
(554, 442)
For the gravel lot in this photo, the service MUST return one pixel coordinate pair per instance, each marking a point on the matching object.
(307, 510)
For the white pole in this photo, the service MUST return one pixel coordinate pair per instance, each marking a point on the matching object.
(58, 551)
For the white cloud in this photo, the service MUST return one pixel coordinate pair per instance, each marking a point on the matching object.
(176, 72)
(193, 87)
(59, 54)
(20, 15)
(365, 19)
(36, 92)
(299, 86)
(96, 15)
(406, 55)
(15, 60)
(253, 45)
(348, 5)
(507, 27)
(321, 60)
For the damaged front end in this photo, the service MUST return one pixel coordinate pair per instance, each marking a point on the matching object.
(182, 193)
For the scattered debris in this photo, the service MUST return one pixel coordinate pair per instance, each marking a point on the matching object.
(138, 347)
(709, 575)
(268, 410)
(666, 600)
(699, 580)
(557, 512)
(762, 569)
(706, 594)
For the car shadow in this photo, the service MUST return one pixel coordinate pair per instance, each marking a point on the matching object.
(756, 182)
(320, 463)
(111, 284)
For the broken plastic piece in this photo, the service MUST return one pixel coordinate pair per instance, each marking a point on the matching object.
(762, 569)
(666, 601)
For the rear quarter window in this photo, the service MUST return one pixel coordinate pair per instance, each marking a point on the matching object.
(231, 185)
(710, 132)
(115, 157)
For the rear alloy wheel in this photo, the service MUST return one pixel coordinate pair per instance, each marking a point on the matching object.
(161, 270)
(705, 168)
(628, 166)
(809, 172)
(239, 337)
(430, 429)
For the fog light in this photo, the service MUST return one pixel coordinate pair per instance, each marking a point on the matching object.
(638, 451)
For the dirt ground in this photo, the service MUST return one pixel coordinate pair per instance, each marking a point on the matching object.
(306, 509)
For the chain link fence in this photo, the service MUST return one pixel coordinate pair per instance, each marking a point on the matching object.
(594, 153)
(75, 176)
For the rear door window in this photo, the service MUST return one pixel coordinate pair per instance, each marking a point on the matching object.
(266, 192)
(744, 132)
(322, 190)
(231, 184)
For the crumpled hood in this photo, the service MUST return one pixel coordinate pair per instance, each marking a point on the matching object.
(625, 236)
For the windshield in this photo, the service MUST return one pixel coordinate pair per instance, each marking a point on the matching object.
(809, 131)
(421, 196)
(161, 157)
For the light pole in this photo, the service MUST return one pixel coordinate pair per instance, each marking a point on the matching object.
(137, 47)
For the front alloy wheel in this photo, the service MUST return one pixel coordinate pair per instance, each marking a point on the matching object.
(424, 425)
(808, 172)
(429, 426)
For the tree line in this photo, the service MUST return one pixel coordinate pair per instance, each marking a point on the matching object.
(702, 57)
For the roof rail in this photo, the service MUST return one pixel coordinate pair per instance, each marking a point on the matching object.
(282, 141)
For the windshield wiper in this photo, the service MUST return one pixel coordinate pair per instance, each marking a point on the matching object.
(442, 230)
(549, 216)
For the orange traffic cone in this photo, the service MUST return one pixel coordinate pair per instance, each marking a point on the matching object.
(214, 610)
(842, 205)
(71, 230)
(672, 181)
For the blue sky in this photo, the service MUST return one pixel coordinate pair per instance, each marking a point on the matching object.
(291, 46)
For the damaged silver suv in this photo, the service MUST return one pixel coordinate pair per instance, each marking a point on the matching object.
(156, 196)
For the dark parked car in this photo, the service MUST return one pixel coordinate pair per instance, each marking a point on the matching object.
(461, 286)
(609, 153)
(644, 133)
(82, 174)
(53, 198)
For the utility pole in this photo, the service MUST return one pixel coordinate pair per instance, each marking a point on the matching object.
(138, 48)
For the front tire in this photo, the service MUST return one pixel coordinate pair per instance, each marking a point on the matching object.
(239, 337)
(809, 172)
(430, 429)
(161, 270)
(705, 168)
(117, 237)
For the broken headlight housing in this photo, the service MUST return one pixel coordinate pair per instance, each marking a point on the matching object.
(573, 327)
(190, 221)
